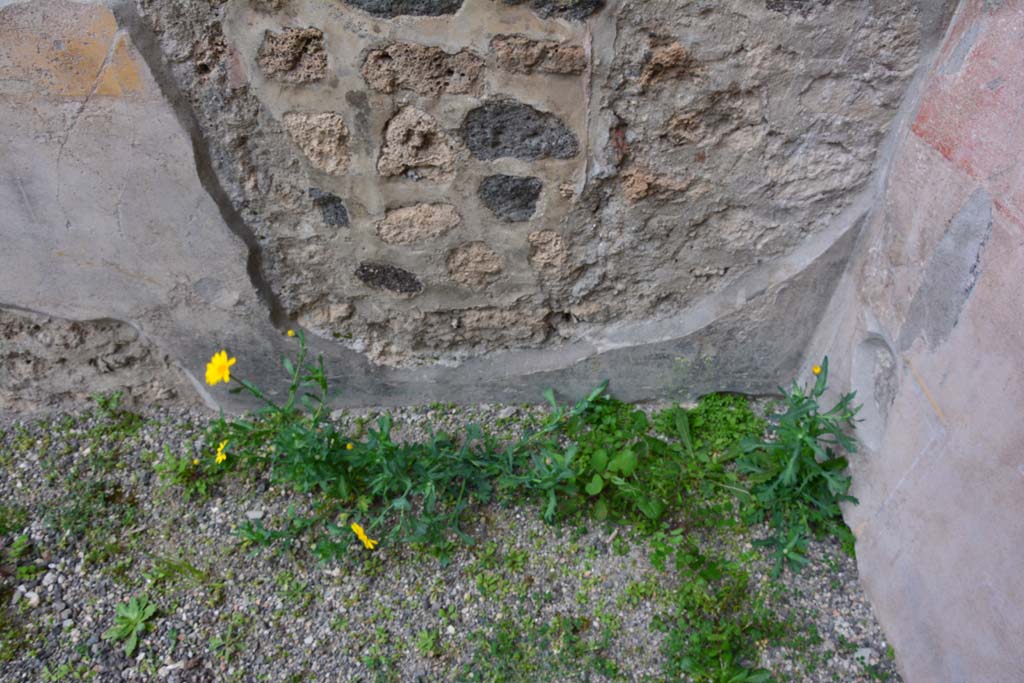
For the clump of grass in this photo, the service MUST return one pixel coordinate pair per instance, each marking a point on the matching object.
(12, 637)
(717, 423)
(194, 476)
(563, 648)
(13, 519)
(14, 550)
(717, 623)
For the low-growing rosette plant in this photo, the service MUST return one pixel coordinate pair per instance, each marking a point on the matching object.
(130, 622)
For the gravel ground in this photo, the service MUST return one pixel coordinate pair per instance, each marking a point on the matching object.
(575, 602)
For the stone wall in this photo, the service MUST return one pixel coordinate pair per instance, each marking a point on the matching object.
(926, 326)
(457, 199)
(515, 175)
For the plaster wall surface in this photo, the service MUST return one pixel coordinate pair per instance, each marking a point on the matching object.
(927, 327)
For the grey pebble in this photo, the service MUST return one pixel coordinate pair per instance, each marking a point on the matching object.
(866, 654)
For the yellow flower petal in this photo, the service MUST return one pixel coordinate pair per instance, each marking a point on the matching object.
(219, 368)
(361, 534)
(291, 333)
(816, 369)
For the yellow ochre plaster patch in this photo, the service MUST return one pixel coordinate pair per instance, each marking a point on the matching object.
(67, 50)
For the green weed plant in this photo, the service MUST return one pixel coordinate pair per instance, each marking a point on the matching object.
(798, 478)
(130, 622)
(600, 456)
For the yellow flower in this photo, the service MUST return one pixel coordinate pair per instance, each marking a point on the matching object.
(349, 446)
(221, 455)
(219, 368)
(291, 333)
(358, 531)
(195, 461)
(816, 370)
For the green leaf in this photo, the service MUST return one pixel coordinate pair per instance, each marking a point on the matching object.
(549, 509)
(788, 476)
(599, 460)
(597, 391)
(129, 645)
(797, 558)
(113, 633)
(819, 386)
(812, 443)
(683, 430)
(625, 463)
(549, 396)
(651, 507)
(570, 455)
(250, 387)
(595, 486)
(288, 366)
(601, 509)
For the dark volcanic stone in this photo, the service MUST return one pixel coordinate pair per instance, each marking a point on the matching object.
(511, 198)
(790, 6)
(331, 207)
(577, 10)
(392, 278)
(506, 128)
(395, 8)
